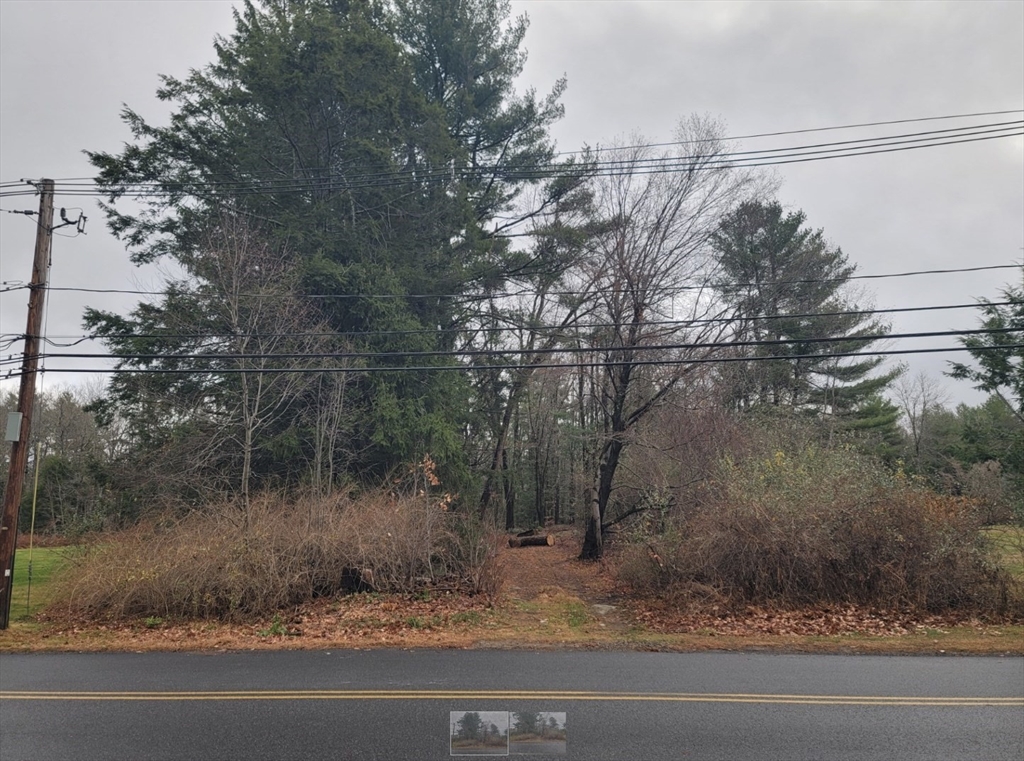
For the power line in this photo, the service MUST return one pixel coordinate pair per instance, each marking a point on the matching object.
(815, 129)
(460, 353)
(526, 292)
(569, 331)
(366, 174)
(405, 178)
(388, 178)
(731, 138)
(539, 366)
(888, 140)
(598, 167)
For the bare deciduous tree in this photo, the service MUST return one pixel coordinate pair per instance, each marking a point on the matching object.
(652, 271)
(252, 293)
(330, 417)
(919, 398)
(533, 327)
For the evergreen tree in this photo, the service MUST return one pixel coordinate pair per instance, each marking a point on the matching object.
(317, 122)
(999, 355)
(525, 722)
(990, 432)
(786, 284)
(470, 725)
(552, 725)
(875, 428)
(466, 57)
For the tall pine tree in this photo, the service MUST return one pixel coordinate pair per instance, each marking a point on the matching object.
(318, 124)
(787, 284)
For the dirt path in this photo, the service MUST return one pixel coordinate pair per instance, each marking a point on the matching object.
(538, 577)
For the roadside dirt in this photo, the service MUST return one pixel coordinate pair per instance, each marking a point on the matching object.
(537, 577)
(532, 571)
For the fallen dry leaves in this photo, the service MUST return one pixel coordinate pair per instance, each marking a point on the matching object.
(361, 620)
(820, 621)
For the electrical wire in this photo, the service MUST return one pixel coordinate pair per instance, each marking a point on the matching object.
(728, 139)
(399, 179)
(814, 129)
(723, 160)
(835, 149)
(879, 141)
(569, 331)
(537, 366)
(463, 353)
(527, 292)
(599, 167)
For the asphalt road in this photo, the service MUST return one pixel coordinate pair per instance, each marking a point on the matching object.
(538, 748)
(397, 704)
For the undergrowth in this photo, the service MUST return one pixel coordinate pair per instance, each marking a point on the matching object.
(216, 564)
(816, 526)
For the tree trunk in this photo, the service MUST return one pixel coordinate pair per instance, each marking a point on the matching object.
(499, 457)
(485, 497)
(509, 491)
(540, 476)
(593, 544)
(544, 540)
(606, 474)
(558, 489)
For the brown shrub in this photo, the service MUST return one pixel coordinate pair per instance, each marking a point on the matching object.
(210, 565)
(986, 483)
(820, 526)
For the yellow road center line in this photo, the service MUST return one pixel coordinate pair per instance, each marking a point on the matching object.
(867, 700)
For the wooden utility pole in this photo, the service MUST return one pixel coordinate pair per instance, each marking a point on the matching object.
(26, 398)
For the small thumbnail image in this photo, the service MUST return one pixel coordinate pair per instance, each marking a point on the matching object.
(479, 733)
(538, 733)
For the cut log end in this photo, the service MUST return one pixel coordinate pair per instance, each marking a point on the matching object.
(543, 540)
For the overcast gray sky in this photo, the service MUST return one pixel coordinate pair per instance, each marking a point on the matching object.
(67, 66)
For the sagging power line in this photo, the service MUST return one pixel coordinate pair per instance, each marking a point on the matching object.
(366, 178)
(464, 353)
(534, 366)
(571, 330)
(533, 292)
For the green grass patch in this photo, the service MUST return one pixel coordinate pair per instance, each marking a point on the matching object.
(46, 563)
(576, 615)
(1007, 543)
(470, 617)
(277, 628)
(418, 622)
